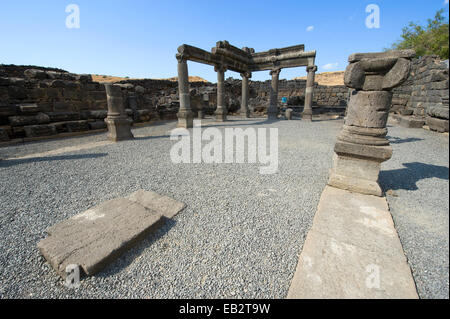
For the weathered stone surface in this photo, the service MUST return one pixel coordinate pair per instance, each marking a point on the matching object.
(63, 116)
(97, 125)
(166, 206)
(352, 240)
(29, 108)
(362, 145)
(369, 109)
(409, 121)
(23, 120)
(3, 135)
(438, 125)
(119, 125)
(40, 130)
(77, 126)
(438, 111)
(99, 235)
(288, 114)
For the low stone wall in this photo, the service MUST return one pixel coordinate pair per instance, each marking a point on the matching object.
(424, 96)
(36, 101)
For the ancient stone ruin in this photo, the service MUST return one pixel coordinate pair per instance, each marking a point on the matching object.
(227, 57)
(362, 145)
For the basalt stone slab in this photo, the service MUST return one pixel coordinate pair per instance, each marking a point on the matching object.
(410, 121)
(40, 130)
(438, 125)
(97, 125)
(96, 237)
(167, 206)
(77, 126)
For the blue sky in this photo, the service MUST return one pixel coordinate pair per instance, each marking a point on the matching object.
(139, 38)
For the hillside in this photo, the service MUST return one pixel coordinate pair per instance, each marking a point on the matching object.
(327, 78)
(108, 78)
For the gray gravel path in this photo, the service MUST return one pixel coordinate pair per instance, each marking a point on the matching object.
(241, 233)
(418, 175)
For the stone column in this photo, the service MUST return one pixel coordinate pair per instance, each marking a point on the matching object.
(245, 111)
(272, 111)
(362, 145)
(221, 112)
(119, 125)
(309, 93)
(185, 115)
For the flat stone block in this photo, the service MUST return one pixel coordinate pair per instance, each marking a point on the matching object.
(352, 251)
(99, 235)
(438, 125)
(166, 206)
(410, 121)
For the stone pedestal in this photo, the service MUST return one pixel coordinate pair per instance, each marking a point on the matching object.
(119, 125)
(221, 111)
(185, 115)
(288, 114)
(272, 111)
(245, 111)
(309, 93)
(362, 145)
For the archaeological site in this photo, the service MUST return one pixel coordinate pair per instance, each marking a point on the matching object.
(228, 171)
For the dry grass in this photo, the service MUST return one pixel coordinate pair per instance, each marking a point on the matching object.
(328, 78)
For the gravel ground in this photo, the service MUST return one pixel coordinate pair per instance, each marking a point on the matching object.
(418, 176)
(241, 233)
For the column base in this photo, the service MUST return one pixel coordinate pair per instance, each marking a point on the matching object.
(244, 113)
(355, 175)
(356, 167)
(185, 119)
(221, 115)
(307, 115)
(272, 114)
(119, 129)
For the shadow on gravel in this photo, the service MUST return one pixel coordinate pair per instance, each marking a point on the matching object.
(129, 256)
(398, 140)
(407, 178)
(143, 138)
(13, 162)
(231, 123)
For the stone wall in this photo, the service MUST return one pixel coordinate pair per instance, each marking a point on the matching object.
(424, 96)
(36, 101)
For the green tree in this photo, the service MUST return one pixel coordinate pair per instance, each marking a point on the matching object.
(426, 40)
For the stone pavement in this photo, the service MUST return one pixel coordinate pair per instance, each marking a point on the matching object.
(352, 251)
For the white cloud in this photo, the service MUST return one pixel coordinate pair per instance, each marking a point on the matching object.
(330, 66)
(310, 28)
(446, 2)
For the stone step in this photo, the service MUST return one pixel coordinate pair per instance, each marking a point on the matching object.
(101, 234)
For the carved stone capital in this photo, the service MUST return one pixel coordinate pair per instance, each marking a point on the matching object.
(181, 58)
(247, 75)
(275, 72)
(311, 68)
(378, 71)
(220, 68)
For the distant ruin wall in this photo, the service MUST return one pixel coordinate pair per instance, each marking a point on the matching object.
(426, 93)
(36, 101)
